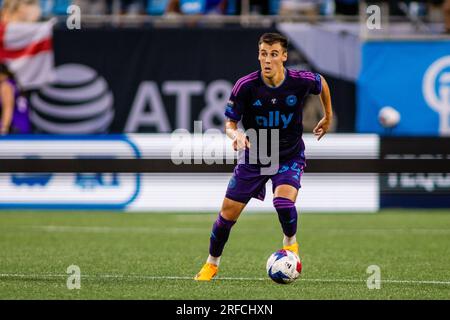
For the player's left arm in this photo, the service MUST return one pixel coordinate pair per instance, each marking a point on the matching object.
(325, 98)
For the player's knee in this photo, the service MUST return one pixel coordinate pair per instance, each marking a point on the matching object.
(231, 209)
(286, 191)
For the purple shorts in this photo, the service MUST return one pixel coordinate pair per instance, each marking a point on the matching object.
(247, 181)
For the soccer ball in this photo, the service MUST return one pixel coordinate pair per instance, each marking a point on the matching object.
(283, 266)
(388, 117)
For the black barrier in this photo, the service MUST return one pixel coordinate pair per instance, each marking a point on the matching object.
(153, 80)
(166, 165)
(420, 187)
(161, 79)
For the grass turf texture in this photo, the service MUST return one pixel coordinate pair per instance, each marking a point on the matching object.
(128, 255)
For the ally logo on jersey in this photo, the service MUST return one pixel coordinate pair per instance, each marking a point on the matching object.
(274, 119)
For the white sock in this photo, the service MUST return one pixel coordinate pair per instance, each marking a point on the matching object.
(288, 241)
(213, 260)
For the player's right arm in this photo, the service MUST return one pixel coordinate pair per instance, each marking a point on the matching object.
(240, 141)
(234, 110)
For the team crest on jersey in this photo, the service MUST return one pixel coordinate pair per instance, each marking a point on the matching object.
(291, 100)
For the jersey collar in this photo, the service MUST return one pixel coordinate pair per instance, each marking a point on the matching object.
(282, 82)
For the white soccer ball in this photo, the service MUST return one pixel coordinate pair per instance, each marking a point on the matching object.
(283, 266)
(388, 117)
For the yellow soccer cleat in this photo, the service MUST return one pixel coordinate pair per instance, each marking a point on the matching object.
(207, 272)
(293, 247)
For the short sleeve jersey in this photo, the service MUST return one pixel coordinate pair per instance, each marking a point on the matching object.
(260, 106)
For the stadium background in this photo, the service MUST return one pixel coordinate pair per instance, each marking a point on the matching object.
(124, 82)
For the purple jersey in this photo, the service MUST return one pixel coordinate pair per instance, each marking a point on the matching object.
(20, 121)
(262, 107)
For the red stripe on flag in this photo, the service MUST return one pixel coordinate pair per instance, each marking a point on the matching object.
(2, 37)
(30, 50)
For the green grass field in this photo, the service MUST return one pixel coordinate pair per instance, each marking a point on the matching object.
(155, 256)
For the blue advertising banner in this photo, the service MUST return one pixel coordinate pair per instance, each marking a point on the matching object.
(102, 191)
(413, 77)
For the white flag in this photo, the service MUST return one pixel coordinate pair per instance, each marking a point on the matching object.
(27, 49)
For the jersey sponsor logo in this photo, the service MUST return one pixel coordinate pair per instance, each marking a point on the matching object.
(257, 103)
(275, 119)
(274, 101)
(291, 100)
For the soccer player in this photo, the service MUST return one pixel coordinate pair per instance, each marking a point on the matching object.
(270, 98)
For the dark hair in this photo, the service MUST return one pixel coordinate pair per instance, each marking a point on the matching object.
(271, 38)
(5, 70)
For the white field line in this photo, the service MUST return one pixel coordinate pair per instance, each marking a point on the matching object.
(143, 277)
(100, 229)
(190, 230)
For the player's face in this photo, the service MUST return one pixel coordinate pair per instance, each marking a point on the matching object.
(271, 59)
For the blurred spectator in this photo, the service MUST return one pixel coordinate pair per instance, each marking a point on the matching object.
(188, 7)
(263, 7)
(59, 7)
(347, 7)
(435, 11)
(307, 7)
(46, 8)
(156, 7)
(99, 7)
(13, 106)
(21, 11)
(129, 6)
(91, 7)
(446, 8)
